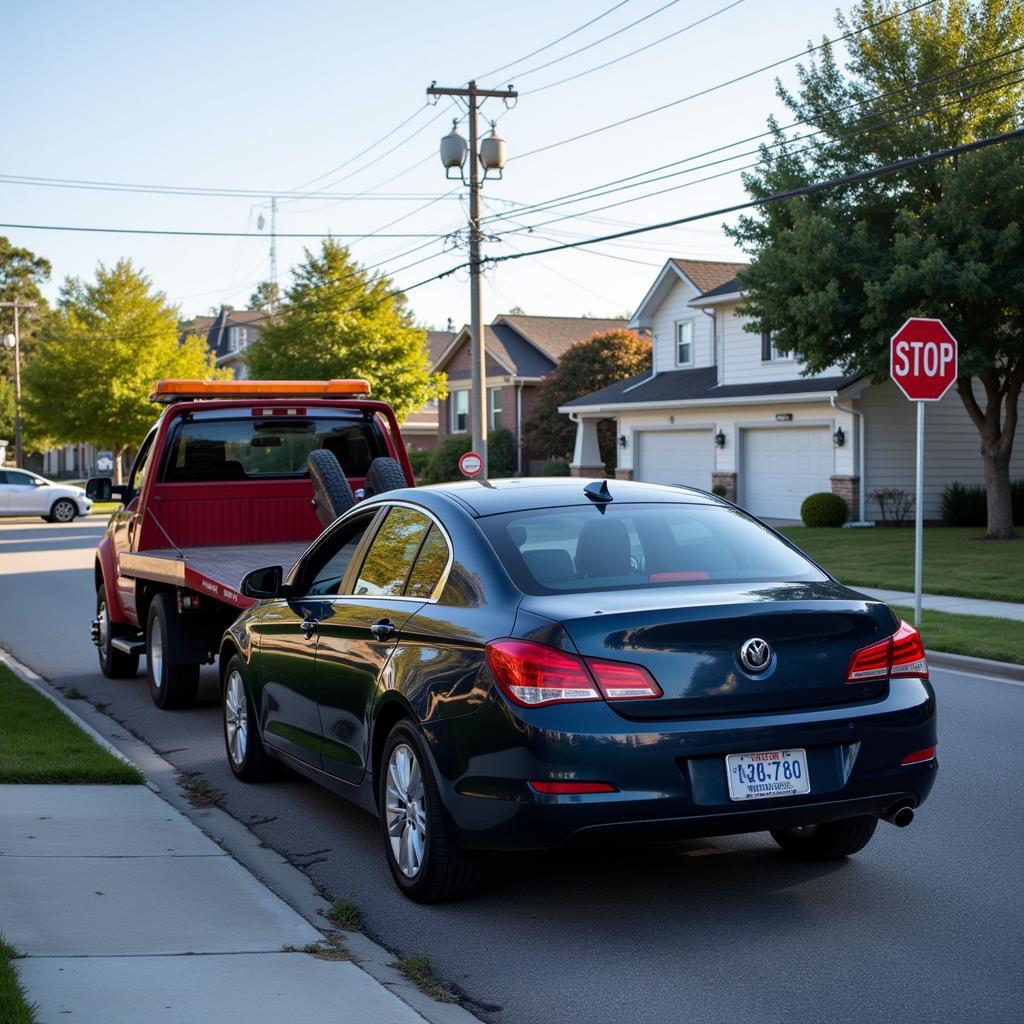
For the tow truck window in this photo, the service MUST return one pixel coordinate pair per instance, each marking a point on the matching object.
(137, 477)
(204, 451)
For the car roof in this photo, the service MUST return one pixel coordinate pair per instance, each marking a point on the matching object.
(493, 497)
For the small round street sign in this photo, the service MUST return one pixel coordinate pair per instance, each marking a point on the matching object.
(470, 464)
(923, 359)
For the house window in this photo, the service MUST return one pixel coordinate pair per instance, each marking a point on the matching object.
(769, 353)
(236, 338)
(494, 407)
(684, 343)
(458, 411)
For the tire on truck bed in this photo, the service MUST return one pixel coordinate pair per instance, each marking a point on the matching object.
(383, 475)
(332, 494)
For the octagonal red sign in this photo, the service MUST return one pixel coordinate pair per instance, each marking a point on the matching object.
(923, 359)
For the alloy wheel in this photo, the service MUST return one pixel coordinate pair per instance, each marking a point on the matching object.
(63, 511)
(236, 717)
(405, 810)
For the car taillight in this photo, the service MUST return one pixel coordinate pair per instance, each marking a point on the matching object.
(898, 656)
(919, 756)
(533, 675)
(571, 788)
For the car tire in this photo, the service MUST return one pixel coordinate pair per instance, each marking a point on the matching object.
(384, 475)
(114, 664)
(63, 510)
(170, 686)
(247, 757)
(332, 494)
(443, 870)
(830, 841)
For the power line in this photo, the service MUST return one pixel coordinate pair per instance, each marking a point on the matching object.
(633, 53)
(204, 234)
(555, 42)
(720, 85)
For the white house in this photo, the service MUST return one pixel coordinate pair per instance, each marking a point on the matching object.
(721, 406)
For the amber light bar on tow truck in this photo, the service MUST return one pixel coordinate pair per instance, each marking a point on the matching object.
(167, 391)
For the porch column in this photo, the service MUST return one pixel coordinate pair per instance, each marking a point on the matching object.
(586, 458)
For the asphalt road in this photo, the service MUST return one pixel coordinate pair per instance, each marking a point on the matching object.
(926, 924)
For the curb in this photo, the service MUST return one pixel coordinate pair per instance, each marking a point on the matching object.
(982, 666)
(268, 867)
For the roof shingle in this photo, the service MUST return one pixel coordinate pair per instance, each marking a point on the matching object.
(709, 274)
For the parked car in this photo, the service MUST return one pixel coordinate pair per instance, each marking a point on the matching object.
(516, 664)
(28, 494)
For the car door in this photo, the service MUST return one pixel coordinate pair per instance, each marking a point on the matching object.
(289, 631)
(361, 633)
(4, 501)
(24, 496)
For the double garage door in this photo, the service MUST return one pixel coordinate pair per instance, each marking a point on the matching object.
(675, 457)
(782, 466)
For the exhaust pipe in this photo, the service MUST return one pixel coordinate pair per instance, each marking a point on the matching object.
(900, 816)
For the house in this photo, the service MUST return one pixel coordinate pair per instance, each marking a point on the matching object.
(227, 335)
(521, 351)
(420, 429)
(724, 407)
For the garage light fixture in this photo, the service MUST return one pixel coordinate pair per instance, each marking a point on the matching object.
(622, 441)
(720, 439)
(839, 437)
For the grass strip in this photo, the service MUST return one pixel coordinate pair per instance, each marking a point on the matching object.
(14, 1005)
(977, 636)
(418, 970)
(40, 744)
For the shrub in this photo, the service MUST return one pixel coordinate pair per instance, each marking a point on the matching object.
(823, 509)
(894, 504)
(721, 491)
(501, 453)
(964, 505)
(446, 458)
(422, 463)
(552, 468)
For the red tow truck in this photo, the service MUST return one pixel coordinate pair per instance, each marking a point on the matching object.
(233, 476)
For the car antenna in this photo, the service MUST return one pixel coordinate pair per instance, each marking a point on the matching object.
(598, 492)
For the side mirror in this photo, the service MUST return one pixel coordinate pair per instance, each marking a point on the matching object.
(98, 488)
(263, 583)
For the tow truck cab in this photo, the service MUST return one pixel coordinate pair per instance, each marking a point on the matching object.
(220, 486)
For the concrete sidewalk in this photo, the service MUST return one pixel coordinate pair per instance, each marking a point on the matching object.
(128, 912)
(956, 605)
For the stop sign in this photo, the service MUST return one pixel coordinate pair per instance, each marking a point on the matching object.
(923, 359)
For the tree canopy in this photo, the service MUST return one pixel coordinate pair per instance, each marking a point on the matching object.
(21, 274)
(602, 359)
(266, 297)
(835, 274)
(101, 349)
(339, 320)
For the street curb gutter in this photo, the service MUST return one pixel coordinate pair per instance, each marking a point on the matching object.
(982, 666)
(268, 867)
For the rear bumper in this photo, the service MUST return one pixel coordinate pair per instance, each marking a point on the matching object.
(671, 776)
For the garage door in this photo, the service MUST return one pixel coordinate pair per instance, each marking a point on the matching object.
(675, 457)
(781, 467)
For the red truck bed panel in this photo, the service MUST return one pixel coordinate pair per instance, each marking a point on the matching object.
(217, 571)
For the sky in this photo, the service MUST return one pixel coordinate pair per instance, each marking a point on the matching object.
(269, 97)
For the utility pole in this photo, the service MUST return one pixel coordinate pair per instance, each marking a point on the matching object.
(477, 345)
(273, 250)
(14, 341)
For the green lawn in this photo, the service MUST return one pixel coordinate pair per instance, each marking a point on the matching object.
(978, 636)
(14, 1007)
(39, 743)
(105, 507)
(956, 562)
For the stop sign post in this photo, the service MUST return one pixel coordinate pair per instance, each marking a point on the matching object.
(923, 365)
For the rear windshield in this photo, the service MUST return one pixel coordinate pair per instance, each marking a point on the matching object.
(633, 547)
(260, 449)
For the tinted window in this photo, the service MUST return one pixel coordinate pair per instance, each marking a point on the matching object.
(429, 567)
(392, 553)
(333, 557)
(244, 449)
(638, 546)
(19, 479)
(3, 477)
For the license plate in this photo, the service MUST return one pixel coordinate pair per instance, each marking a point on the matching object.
(767, 773)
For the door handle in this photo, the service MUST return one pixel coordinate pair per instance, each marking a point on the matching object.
(383, 629)
(309, 628)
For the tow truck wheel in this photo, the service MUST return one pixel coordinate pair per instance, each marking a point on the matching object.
(170, 686)
(332, 493)
(384, 475)
(242, 741)
(114, 664)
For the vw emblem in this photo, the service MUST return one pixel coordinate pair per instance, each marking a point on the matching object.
(755, 654)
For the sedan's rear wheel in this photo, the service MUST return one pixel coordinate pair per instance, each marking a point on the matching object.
(425, 860)
(248, 760)
(831, 841)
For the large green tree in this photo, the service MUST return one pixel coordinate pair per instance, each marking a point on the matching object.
(339, 320)
(834, 275)
(602, 359)
(21, 274)
(101, 349)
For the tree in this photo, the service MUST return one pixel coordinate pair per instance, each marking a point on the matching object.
(605, 358)
(101, 350)
(835, 274)
(266, 297)
(339, 320)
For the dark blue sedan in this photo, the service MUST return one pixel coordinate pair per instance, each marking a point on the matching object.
(525, 663)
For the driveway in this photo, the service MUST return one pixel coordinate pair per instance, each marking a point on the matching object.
(926, 924)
